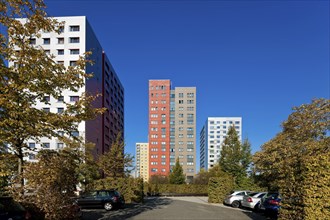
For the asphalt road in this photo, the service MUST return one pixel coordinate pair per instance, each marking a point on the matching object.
(173, 208)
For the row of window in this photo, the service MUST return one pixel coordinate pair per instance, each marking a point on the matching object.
(189, 95)
(162, 87)
(60, 40)
(189, 101)
(46, 99)
(224, 122)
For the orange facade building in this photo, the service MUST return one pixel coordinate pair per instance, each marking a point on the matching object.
(159, 127)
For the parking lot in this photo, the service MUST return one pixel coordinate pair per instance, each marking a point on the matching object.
(192, 208)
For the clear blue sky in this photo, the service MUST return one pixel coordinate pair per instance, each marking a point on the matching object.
(254, 59)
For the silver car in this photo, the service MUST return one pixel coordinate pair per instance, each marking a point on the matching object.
(235, 198)
(251, 200)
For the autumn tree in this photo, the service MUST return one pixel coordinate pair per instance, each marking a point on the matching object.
(235, 157)
(177, 176)
(115, 162)
(54, 178)
(296, 162)
(31, 75)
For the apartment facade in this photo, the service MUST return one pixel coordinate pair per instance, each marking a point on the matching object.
(142, 160)
(76, 38)
(172, 128)
(212, 136)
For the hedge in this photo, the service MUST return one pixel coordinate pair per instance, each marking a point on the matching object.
(173, 189)
(131, 188)
(219, 187)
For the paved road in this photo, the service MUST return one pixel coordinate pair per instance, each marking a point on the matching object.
(173, 208)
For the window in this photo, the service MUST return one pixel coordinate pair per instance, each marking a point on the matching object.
(46, 40)
(74, 28)
(60, 40)
(60, 62)
(74, 40)
(237, 122)
(31, 157)
(46, 109)
(163, 170)
(60, 99)
(75, 133)
(180, 95)
(61, 133)
(60, 145)
(74, 51)
(180, 115)
(47, 52)
(190, 95)
(154, 170)
(61, 30)
(32, 145)
(60, 110)
(33, 41)
(74, 98)
(46, 99)
(190, 101)
(60, 52)
(180, 101)
(45, 145)
(73, 63)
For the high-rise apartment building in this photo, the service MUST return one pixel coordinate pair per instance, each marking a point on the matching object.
(142, 160)
(76, 38)
(172, 128)
(212, 136)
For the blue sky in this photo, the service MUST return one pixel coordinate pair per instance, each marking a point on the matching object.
(254, 59)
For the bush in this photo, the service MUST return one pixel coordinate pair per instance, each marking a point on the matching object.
(219, 187)
(130, 188)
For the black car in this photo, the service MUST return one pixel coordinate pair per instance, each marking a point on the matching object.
(10, 209)
(108, 199)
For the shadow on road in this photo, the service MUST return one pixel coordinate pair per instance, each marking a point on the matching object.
(129, 211)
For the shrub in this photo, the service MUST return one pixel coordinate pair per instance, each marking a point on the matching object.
(130, 188)
(219, 187)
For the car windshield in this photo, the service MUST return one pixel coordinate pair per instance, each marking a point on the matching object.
(252, 194)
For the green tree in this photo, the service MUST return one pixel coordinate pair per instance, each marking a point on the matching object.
(115, 162)
(177, 176)
(33, 75)
(235, 157)
(297, 163)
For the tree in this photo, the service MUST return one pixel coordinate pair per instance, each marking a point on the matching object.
(33, 75)
(8, 169)
(54, 178)
(235, 157)
(296, 162)
(115, 162)
(203, 176)
(177, 176)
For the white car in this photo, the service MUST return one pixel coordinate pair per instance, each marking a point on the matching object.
(251, 200)
(235, 198)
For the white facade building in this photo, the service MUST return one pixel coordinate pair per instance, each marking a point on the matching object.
(142, 160)
(76, 38)
(212, 136)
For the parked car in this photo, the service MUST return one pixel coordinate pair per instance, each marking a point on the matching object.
(271, 204)
(108, 199)
(11, 209)
(235, 197)
(251, 200)
(264, 198)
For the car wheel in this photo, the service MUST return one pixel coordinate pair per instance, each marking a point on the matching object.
(108, 206)
(235, 204)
